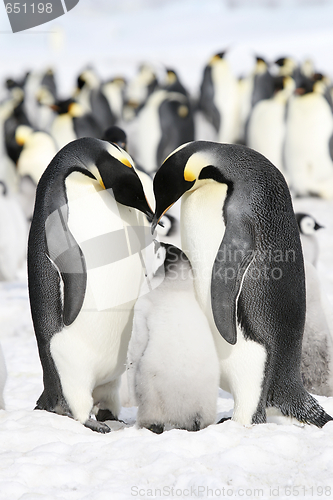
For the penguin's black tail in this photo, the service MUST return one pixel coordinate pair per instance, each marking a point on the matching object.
(298, 403)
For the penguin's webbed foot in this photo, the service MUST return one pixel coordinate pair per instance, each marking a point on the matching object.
(97, 426)
(224, 419)
(156, 428)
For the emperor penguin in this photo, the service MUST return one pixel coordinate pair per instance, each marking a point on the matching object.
(307, 227)
(86, 264)
(13, 235)
(3, 378)
(219, 98)
(173, 369)
(90, 94)
(39, 148)
(309, 130)
(72, 122)
(239, 231)
(267, 123)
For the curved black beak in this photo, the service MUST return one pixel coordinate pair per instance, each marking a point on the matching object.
(318, 226)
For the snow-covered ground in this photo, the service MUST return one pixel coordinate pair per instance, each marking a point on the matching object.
(45, 456)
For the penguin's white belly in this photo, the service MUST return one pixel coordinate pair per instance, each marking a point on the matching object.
(36, 155)
(309, 128)
(226, 101)
(267, 129)
(99, 336)
(202, 228)
(149, 132)
(62, 130)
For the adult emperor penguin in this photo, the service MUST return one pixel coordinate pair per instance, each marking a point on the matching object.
(85, 268)
(240, 234)
(173, 369)
(219, 98)
(309, 130)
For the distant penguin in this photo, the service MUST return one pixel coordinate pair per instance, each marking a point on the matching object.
(240, 234)
(16, 118)
(139, 89)
(172, 362)
(90, 95)
(86, 265)
(219, 98)
(317, 344)
(73, 122)
(173, 83)
(13, 235)
(164, 123)
(307, 228)
(267, 124)
(309, 131)
(287, 66)
(3, 377)
(114, 91)
(8, 173)
(38, 150)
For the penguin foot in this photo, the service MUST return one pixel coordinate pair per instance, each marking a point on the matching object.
(97, 426)
(224, 419)
(103, 415)
(156, 428)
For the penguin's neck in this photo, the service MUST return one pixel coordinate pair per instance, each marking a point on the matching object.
(202, 230)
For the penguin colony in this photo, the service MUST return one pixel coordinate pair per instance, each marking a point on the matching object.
(77, 148)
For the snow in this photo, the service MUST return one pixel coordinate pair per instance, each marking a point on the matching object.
(47, 456)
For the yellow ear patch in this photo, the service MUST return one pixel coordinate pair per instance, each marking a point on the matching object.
(183, 111)
(189, 175)
(126, 162)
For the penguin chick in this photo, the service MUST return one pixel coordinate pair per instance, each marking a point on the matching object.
(3, 377)
(307, 227)
(317, 344)
(173, 365)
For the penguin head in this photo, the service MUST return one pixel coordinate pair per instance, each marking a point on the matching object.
(115, 170)
(22, 133)
(68, 106)
(185, 169)
(307, 224)
(116, 135)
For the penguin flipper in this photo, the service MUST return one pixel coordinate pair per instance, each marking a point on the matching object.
(67, 257)
(233, 258)
(72, 267)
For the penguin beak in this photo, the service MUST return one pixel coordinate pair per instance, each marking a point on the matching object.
(156, 219)
(318, 226)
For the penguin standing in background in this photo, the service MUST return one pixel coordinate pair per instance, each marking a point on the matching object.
(13, 236)
(3, 377)
(164, 123)
(307, 228)
(173, 368)
(38, 150)
(90, 95)
(16, 118)
(240, 234)
(114, 91)
(139, 89)
(309, 131)
(72, 123)
(86, 265)
(267, 124)
(219, 98)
